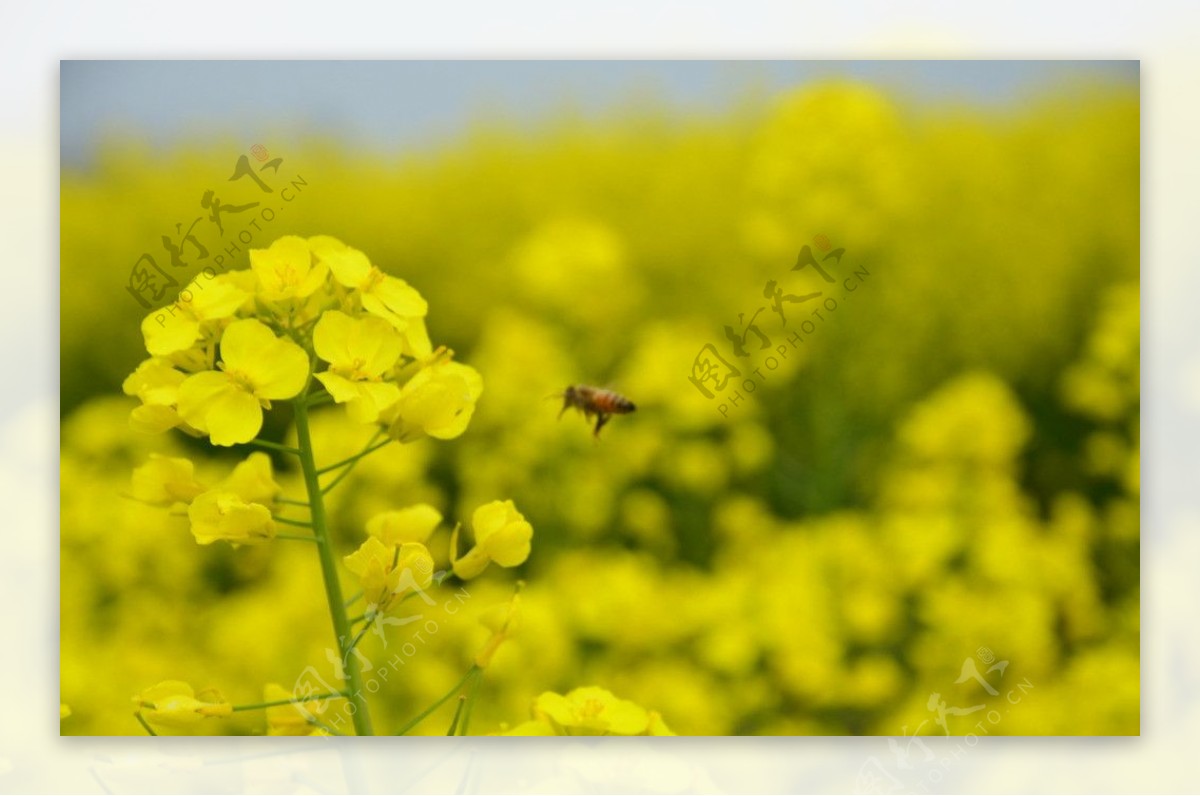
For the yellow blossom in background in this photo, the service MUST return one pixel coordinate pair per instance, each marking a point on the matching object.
(438, 401)
(286, 269)
(359, 351)
(174, 704)
(165, 480)
(220, 515)
(502, 534)
(411, 524)
(256, 368)
(387, 574)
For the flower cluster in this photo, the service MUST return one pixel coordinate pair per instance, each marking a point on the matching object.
(235, 342)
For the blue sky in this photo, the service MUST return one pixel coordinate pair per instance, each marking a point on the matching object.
(395, 106)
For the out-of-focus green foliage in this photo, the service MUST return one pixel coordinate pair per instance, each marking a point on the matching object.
(948, 463)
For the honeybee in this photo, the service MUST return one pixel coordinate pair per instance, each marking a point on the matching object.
(595, 401)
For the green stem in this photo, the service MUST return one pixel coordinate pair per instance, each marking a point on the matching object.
(299, 523)
(275, 446)
(424, 713)
(472, 693)
(333, 587)
(291, 502)
(457, 712)
(323, 726)
(296, 537)
(358, 638)
(144, 724)
(338, 480)
(292, 701)
(371, 448)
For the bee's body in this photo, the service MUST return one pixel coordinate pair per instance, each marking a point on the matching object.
(596, 401)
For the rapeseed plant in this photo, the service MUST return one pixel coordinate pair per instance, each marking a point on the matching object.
(313, 323)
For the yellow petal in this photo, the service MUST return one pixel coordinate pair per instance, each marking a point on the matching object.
(166, 332)
(253, 480)
(155, 381)
(277, 368)
(357, 347)
(165, 480)
(219, 515)
(331, 337)
(491, 517)
(439, 401)
(349, 266)
(471, 565)
(412, 524)
(534, 727)
(214, 403)
(373, 398)
(370, 553)
(214, 299)
(341, 388)
(286, 270)
(399, 297)
(416, 339)
(510, 546)
(415, 562)
(154, 419)
(595, 709)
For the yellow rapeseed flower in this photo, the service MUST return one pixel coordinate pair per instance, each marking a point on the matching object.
(387, 574)
(253, 480)
(501, 534)
(438, 401)
(359, 352)
(387, 297)
(412, 524)
(156, 382)
(256, 368)
(165, 481)
(173, 703)
(287, 270)
(595, 711)
(178, 326)
(220, 514)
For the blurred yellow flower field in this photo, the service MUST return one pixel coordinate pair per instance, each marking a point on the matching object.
(913, 510)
